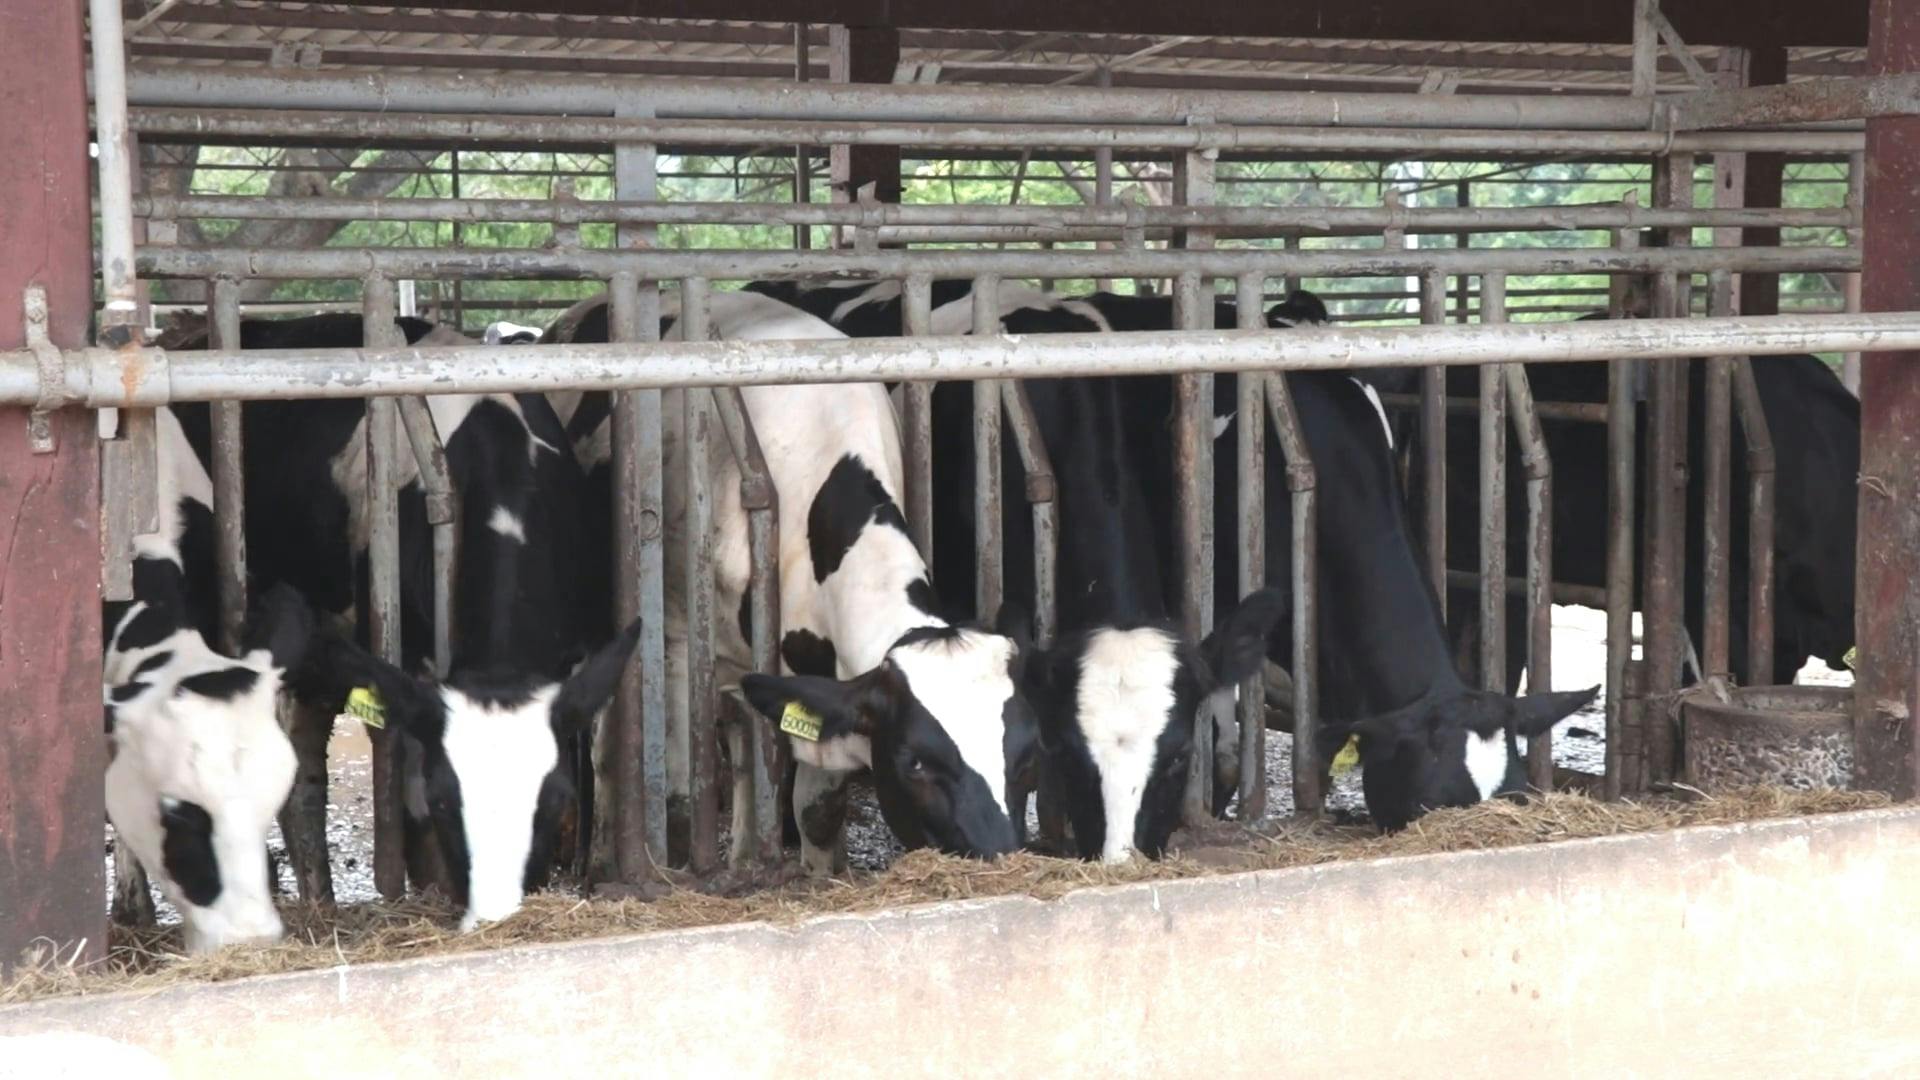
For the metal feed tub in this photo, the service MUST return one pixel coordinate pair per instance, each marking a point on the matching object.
(1787, 736)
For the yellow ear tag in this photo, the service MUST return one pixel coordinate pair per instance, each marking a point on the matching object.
(800, 722)
(1348, 757)
(364, 705)
(1850, 656)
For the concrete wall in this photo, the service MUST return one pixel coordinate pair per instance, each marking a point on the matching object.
(1784, 948)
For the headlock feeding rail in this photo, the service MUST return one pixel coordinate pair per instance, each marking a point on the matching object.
(697, 382)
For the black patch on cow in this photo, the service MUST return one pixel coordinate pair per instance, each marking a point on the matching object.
(920, 595)
(225, 684)
(497, 689)
(150, 627)
(807, 653)
(157, 660)
(187, 851)
(110, 718)
(127, 691)
(850, 498)
(921, 635)
(594, 409)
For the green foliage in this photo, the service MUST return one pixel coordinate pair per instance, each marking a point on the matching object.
(769, 177)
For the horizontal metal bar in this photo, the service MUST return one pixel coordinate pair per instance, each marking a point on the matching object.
(202, 124)
(1563, 592)
(1545, 410)
(101, 377)
(1612, 215)
(151, 84)
(725, 265)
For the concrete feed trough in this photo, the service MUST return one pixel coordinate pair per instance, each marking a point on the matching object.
(1798, 737)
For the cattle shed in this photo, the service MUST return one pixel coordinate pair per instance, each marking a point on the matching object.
(1708, 179)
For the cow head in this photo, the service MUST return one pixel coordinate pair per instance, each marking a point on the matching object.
(200, 765)
(1117, 707)
(506, 333)
(1456, 750)
(490, 752)
(941, 724)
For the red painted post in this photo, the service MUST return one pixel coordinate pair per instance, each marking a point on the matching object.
(52, 750)
(1886, 690)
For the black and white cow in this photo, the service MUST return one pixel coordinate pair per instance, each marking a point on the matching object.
(506, 333)
(1427, 740)
(1815, 426)
(520, 595)
(930, 707)
(200, 766)
(1117, 694)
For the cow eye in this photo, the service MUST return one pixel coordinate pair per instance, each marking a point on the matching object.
(916, 768)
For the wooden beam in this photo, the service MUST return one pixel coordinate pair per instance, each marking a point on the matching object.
(1887, 616)
(52, 750)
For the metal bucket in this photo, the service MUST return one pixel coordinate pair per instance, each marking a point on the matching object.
(1781, 736)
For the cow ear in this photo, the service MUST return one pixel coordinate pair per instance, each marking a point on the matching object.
(282, 624)
(828, 723)
(588, 690)
(1014, 621)
(1535, 714)
(406, 703)
(1235, 651)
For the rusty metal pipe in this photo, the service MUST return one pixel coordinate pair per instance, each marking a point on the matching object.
(1433, 403)
(229, 477)
(1251, 508)
(1760, 521)
(917, 423)
(1493, 498)
(988, 541)
(1715, 652)
(442, 505)
(1309, 780)
(1025, 428)
(1538, 466)
(703, 793)
(383, 602)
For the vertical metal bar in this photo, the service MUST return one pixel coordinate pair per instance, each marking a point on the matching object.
(1646, 47)
(1251, 506)
(1622, 444)
(758, 767)
(1760, 515)
(1103, 177)
(703, 756)
(802, 165)
(1193, 460)
(383, 600)
(1433, 439)
(1193, 502)
(1309, 778)
(442, 504)
(1539, 470)
(639, 542)
(1661, 608)
(988, 526)
(640, 774)
(917, 314)
(1462, 196)
(459, 239)
(1493, 497)
(1715, 651)
(1856, 201)
(1040, 496)
(229, 478)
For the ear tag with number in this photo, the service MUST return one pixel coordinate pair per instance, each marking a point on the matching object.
(1348, 757)
(364, 705)
(800, 722)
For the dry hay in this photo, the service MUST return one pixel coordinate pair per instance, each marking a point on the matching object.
(145, 960)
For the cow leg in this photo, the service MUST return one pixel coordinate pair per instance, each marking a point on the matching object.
(132, 898)
(820, 808)
(303, 820)
(426, 865)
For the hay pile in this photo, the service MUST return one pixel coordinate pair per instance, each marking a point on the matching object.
(149, 959)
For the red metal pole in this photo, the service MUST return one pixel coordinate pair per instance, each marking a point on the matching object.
(1886, 691)
(52, 751)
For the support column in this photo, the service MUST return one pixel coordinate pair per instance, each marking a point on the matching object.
(1760, 293)
(1887, 618)
(864, 54)
(52, 750)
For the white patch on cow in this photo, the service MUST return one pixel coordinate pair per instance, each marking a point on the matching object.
(1125, 701)
(955, 317)
(964, 681)
(1379, 410)
(178, 476)
(506, 524)
(502, 756)
(872, 294)
(1221, 424)
(229, 757)
(1487, 762)
(499, 331)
